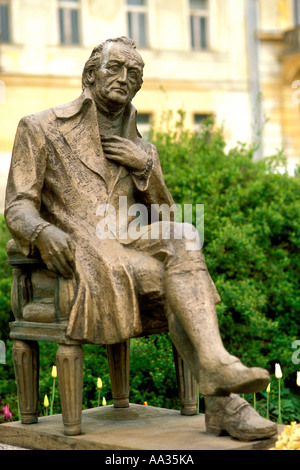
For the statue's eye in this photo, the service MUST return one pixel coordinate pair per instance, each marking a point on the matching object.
(132, 74)
(114, 68)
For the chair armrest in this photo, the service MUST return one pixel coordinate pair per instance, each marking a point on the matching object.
(16, 257)
(37, 294)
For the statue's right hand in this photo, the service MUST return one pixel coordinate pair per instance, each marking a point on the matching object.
(57, 251)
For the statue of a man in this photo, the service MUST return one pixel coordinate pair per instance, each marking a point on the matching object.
(69, 161)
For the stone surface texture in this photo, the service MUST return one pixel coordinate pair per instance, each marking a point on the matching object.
(135, 428)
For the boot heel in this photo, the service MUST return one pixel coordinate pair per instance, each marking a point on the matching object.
(212, 423)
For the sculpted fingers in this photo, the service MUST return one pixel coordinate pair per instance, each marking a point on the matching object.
(61, 262)
(109, 147)
(124, 152)
(57, 251)
(117, 154)
(120, 149)
(117, 157)
(118, 145)
(63, 259)
(61, 265)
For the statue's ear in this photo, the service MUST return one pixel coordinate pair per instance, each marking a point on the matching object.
(91, 76)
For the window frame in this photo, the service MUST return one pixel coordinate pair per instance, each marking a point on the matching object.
(133, 13)
(200, 117)
(7, 39)
(68, 36)
(196, 17)
(296, 9)
(144, 121)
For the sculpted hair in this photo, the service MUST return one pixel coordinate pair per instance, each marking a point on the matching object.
(95, 59)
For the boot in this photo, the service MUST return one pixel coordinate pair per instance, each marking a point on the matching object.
(234, 416)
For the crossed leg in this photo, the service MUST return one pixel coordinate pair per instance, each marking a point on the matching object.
(190, 299)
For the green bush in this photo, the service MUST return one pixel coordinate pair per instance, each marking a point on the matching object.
(5, 283)
(252, 237)
(7, 382)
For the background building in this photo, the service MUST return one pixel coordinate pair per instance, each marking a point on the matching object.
(236, 60)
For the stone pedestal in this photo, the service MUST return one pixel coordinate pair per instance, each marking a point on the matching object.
(136, 428)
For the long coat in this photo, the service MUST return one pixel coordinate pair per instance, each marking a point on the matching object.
(60, 174)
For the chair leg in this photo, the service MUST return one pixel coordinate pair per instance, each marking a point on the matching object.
(26, 365)
(69, 360)
(118, 363)
(187, 386)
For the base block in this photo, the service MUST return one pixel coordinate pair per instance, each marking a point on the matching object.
(135, 428)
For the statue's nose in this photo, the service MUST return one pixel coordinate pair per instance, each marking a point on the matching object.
(123, 75)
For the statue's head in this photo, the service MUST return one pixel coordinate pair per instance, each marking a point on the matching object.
(114, 71)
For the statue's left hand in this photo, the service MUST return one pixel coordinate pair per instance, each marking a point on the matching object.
(125, 152)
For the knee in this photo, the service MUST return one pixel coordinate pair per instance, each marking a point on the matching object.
(186, 235)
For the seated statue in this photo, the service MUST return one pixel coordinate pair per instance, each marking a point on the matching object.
(78, 168)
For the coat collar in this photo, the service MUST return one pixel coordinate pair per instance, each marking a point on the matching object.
(72, 109)
(69, 110)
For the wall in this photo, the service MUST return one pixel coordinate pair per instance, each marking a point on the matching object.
(39, 73)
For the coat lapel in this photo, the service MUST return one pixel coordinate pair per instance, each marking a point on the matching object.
(129, 130)
(78, 128)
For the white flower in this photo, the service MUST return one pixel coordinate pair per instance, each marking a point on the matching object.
(278, 372)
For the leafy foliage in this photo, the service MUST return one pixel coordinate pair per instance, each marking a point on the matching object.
(5, 283)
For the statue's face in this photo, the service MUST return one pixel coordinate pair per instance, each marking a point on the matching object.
(118, 79)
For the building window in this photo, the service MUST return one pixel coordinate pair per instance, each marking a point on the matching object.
(144, 124)
(4, 21)
(68, 11)
(297, 12)
(200, 119)
(199, 24)
(137, 21)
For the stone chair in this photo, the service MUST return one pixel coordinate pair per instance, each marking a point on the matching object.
(41, 302)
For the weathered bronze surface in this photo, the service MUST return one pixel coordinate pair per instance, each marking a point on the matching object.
(76, 170)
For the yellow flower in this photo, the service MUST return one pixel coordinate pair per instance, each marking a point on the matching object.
(289, 439)
(54, 372)
(103, 401)
(298, 378)
(278, 373)
(46, 402)
(268, 388)
(99, 383)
